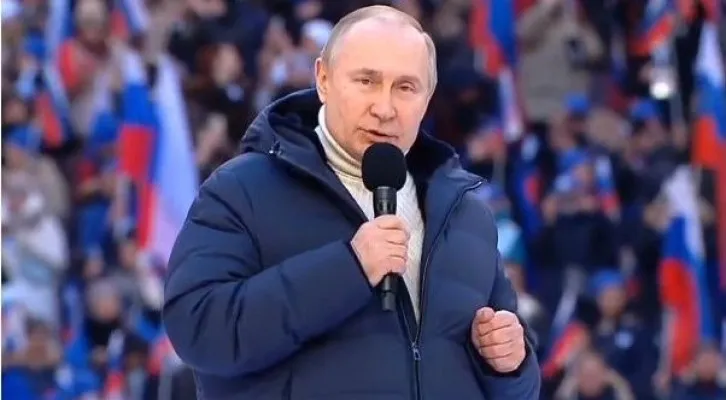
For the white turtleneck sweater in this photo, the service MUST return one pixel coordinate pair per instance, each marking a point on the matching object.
(348, 170)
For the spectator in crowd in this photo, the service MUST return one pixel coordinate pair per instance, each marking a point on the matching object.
(23, 157)
(30, 372)
(553, 34)
(591, 378)
(82, 60)
(35, 249)
(620, 337)
(707, 378)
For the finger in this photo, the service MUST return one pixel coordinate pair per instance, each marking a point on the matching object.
(500, 319)
(400, 250)
(496, 323)
(485, 328)
(507, 317)
(396, 264)
(497, 351)
(502, 335)
(396, 237)
(484, 321)
(484, 314)
(390, 222)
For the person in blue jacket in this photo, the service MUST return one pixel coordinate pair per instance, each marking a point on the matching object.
(270, 292)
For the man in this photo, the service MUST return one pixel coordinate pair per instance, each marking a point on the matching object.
(270, 292)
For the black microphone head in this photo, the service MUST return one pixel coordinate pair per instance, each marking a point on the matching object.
(384, 165)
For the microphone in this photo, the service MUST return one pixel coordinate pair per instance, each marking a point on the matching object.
(384, 173)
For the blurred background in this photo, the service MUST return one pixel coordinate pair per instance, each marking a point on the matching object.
(601, 125)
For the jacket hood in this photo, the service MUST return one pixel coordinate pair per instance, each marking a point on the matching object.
(287, 126)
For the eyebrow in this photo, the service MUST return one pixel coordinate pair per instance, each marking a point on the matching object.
(377, 74)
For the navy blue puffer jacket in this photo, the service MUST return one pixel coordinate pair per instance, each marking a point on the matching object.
(265, 299)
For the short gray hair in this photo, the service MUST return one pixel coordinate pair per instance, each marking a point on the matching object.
(381, 13)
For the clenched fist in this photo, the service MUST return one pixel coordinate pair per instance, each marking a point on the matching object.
(499, 338)
(382, 247)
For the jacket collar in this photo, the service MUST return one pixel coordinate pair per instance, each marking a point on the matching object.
(286, 131)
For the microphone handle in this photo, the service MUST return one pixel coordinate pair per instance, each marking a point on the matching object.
(384, 203)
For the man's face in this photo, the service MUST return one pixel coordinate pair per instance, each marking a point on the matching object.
(376, 87)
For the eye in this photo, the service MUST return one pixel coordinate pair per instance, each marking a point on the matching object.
(407, 87)
(365, 81)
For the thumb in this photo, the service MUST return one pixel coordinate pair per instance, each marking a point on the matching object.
(485, 314)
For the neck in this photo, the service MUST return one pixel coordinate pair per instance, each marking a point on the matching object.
(342, 162)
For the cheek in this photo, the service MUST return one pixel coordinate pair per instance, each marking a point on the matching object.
(411, 119)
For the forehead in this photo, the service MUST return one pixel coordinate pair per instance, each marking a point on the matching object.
(390, 47)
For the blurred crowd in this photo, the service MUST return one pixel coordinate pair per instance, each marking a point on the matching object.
(587, 134)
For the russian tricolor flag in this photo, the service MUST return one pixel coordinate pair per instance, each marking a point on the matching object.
(156, 154)
(175, 177)
(138, 138)
(683, 276)
(492, 34)
(656, 28)
(709, 143)
(52, 109)
(568, 335)
(51, 102)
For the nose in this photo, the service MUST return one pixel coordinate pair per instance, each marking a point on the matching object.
(382, 107)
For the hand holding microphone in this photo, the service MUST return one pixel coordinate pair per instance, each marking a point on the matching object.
(382, 244)
(382, 247)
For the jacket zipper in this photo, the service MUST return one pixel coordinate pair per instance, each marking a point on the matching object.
(415, 345)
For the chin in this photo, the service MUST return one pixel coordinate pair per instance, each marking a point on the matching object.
(371, 139)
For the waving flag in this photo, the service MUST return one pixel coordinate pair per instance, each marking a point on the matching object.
(51, 102)
(175, 176)
(156, 154)
(138, 137)
(709, 143)
(568, 335)
(492, 35)
(656, 27)
(53, 109)
(683, 275)
(567, 344)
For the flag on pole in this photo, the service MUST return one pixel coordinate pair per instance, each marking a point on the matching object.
(492, 34)
(683, 276)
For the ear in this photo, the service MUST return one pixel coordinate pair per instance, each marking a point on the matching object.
(322, 79)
